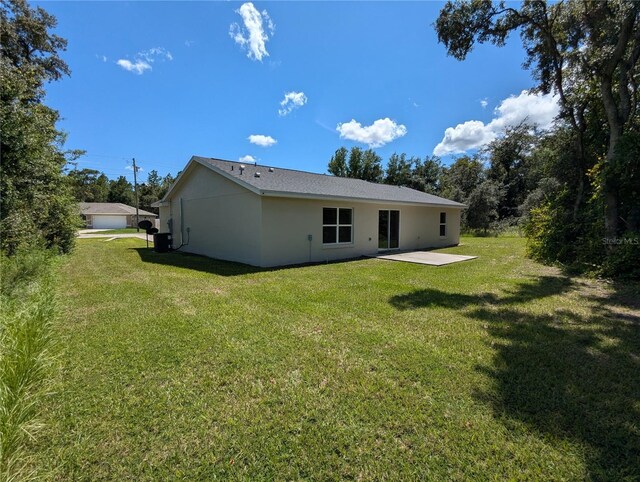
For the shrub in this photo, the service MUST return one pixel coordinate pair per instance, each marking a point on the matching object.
(548, 232)
(623, 260)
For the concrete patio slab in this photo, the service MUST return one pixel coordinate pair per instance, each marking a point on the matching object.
(425, 257)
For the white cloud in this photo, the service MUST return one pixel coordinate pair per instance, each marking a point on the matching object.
(377, 134)
(144, 59)
(189, 43)
(465, 136)
(247, 158)
(292, 100)
(534, 109)
(139, 67)
(252, 36)
(262, 141)
(129, 167)
(484, 103)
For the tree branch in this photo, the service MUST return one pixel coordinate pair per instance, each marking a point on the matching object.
(621, 46)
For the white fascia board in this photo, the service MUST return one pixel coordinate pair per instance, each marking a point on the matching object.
(354, 199)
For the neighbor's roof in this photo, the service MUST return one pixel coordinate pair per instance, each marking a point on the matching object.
(111, 208)
(274, 181)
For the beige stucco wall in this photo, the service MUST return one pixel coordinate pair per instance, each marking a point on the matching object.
(223, 218)
(165, 214)
(286, 224)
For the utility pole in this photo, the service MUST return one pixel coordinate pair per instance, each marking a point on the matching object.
(135, 190)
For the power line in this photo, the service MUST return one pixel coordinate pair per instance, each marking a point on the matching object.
(135, 190)
(153, 164)
(122, 158)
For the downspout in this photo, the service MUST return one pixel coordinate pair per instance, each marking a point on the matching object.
(182, 243)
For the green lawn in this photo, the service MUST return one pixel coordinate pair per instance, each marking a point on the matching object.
(180, 367)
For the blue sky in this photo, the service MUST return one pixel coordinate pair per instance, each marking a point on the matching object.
(161, 81)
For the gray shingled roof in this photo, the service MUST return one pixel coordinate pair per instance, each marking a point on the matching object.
(307, 184)
(111, 208)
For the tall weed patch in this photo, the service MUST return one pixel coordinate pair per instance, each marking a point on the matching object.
(27, 309)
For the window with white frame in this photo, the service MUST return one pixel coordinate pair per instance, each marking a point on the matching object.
(443, 224)
(337, 225)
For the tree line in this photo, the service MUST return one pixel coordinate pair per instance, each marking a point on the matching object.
(90, 185)
(500, 184)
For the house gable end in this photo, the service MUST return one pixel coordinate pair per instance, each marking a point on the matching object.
(190, 168)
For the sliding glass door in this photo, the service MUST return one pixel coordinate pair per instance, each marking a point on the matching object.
(388, 229)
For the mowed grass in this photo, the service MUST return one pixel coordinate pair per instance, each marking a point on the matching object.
(182, 367)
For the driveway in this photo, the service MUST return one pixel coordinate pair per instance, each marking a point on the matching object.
(89, 231)
(86, 235)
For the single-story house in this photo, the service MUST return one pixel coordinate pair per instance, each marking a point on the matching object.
(112, 215)
(267, 216)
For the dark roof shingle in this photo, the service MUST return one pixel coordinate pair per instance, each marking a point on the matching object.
(287, 181)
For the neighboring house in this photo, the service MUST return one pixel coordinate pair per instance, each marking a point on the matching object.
(112, 215)
(266, 216)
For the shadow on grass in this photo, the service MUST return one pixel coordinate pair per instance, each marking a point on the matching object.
(571, 377)
(218, 267)
(540, 287)
(566, 375)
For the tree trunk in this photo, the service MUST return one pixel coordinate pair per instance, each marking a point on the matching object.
(634, 219)
(579, 195)
(610, 193)
(610, 211)
(615, 132)
(580, 159)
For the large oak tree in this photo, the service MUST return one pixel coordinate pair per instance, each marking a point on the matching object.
(584, 51)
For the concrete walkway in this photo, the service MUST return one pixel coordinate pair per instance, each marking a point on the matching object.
(140, 235)
(425, 257)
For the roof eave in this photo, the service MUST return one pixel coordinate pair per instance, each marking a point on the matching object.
(287, 194)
